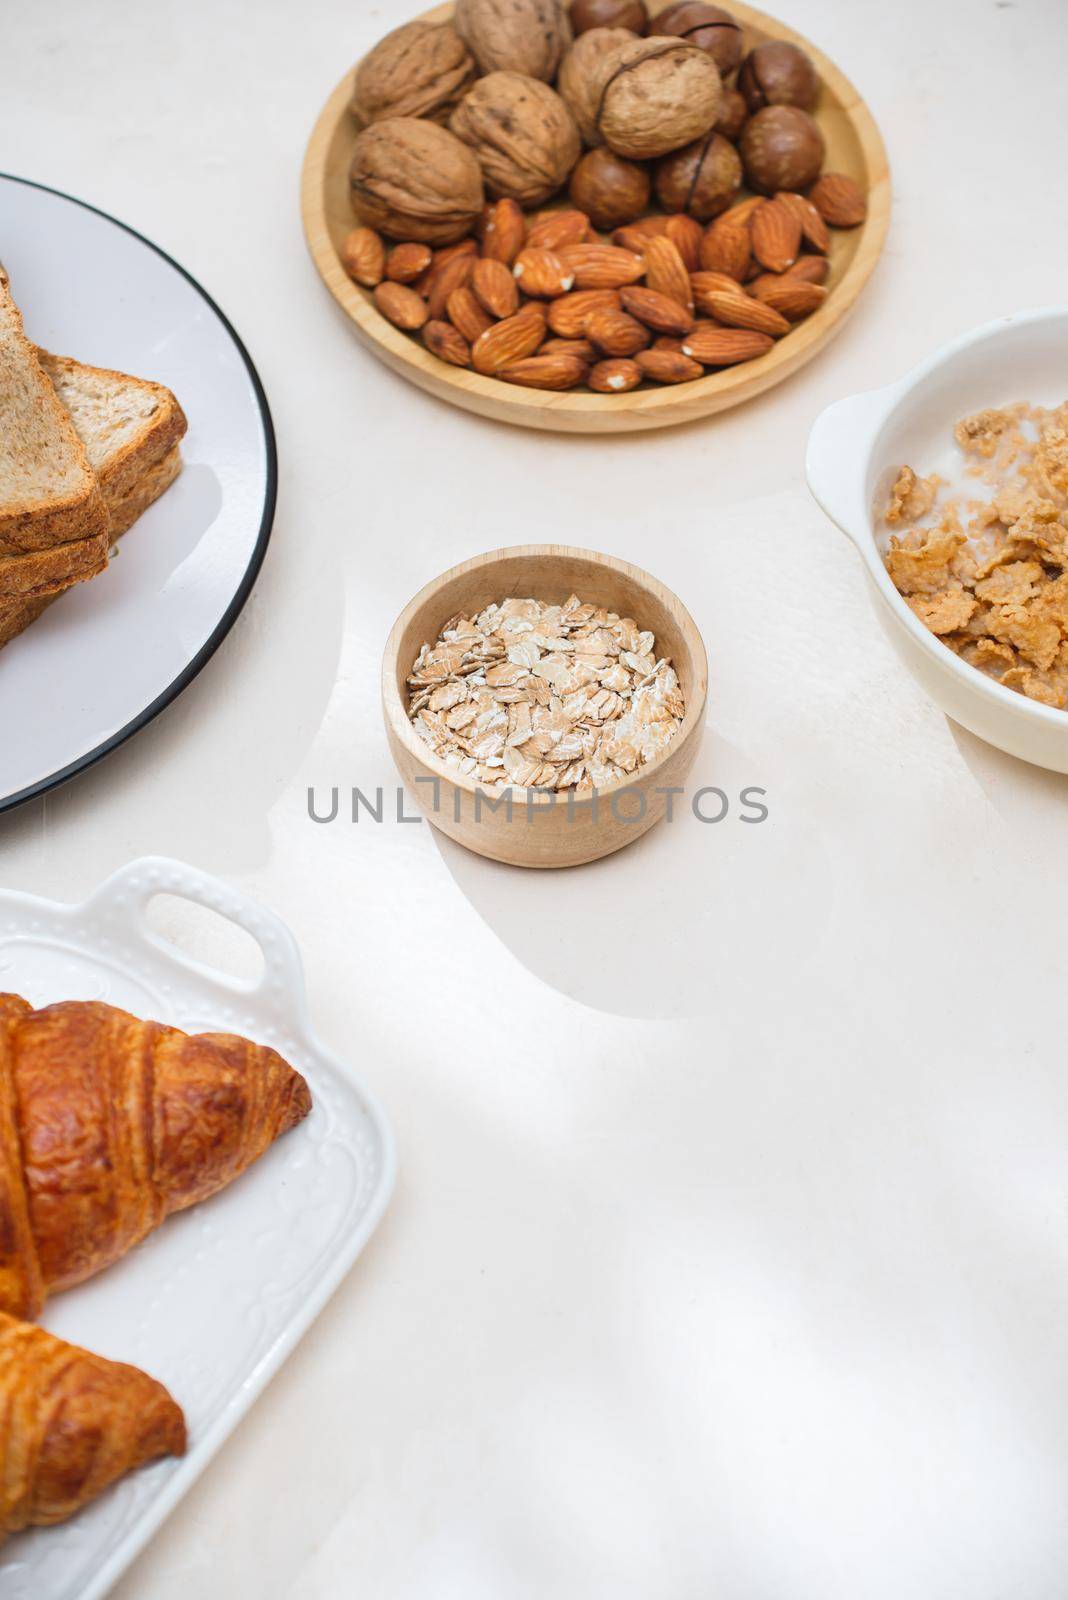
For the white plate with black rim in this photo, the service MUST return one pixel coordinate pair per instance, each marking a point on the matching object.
(111, 654)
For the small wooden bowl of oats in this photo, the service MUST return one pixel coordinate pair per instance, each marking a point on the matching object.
(542, 702)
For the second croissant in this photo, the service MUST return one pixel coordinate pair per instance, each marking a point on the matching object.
(108, 1124)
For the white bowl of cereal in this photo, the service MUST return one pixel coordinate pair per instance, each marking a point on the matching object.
(953, 485)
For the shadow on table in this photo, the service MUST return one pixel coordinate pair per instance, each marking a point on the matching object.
(648, 931)
(1014, 788)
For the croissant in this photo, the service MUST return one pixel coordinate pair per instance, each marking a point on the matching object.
(108, 1124)
(71, 1423)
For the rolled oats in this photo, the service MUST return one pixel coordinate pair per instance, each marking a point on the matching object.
(545, 696)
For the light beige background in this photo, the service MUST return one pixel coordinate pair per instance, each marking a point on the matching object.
(729, 1253)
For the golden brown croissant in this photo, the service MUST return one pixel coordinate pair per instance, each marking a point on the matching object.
(70, 1424)
(108, 1124)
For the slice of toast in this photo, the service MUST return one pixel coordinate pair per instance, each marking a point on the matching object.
(130, 430)
(49, 494)
(126, 426)
(149, 486)
(17, 614)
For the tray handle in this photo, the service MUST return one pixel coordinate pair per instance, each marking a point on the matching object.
(124, 898)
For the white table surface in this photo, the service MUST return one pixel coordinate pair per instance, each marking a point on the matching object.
(730, 1251)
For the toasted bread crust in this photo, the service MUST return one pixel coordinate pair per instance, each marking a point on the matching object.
(40, 527)
(160, 432)
(38, 522)
(16, 617)
(42, 571)
(149, 487)
(17, 614)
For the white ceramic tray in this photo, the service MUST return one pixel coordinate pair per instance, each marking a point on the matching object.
(214, 1301)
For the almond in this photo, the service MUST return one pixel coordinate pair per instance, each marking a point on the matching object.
(443, 340)
(363, 255)
(615, 332)
(601, 266)
(665, 342)
(810, 269)
(466, 315)
(545, 372)
(668, 366)
(504, 232)
(645, 227)
(495, 288)
(665, 271)
(569, 347)
(567, 315)
(552, 230)
(743, 211)
(541, 273)
(806, 269)
(793, 298)
(401, 306)
(686, 235)
(452, 274)
(723, 347)
(726, 246)
(507, 341)
(658, 311)
(614, 377)
(742, 311)
(449, 252)
(408, 262)
(630, 238)
(536, 311)
(706, 284)
(813, 228)
(838, 200)
(776, 235)
(441, 259)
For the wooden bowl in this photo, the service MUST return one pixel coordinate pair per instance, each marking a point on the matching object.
(544, 830)
(854, 146)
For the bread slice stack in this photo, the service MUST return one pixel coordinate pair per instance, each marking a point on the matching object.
(83, 452)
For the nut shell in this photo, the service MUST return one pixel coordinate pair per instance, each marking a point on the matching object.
(522, 134)
(419, 70)
(779, 73)
(702, 179)
(586, 14)
(611, 190)
(708, 27)
(781, 148)
(412, 179)
(579, 79)
(657, 95)
(733, 112)
(527, 36)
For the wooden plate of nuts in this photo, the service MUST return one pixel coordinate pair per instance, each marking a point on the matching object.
(616, 215)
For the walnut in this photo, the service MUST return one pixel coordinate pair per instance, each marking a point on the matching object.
(527, 36)
(579, 82)
(524, 136)
(412, 179)
(630, 14)
(656, 95)
(419, 70)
